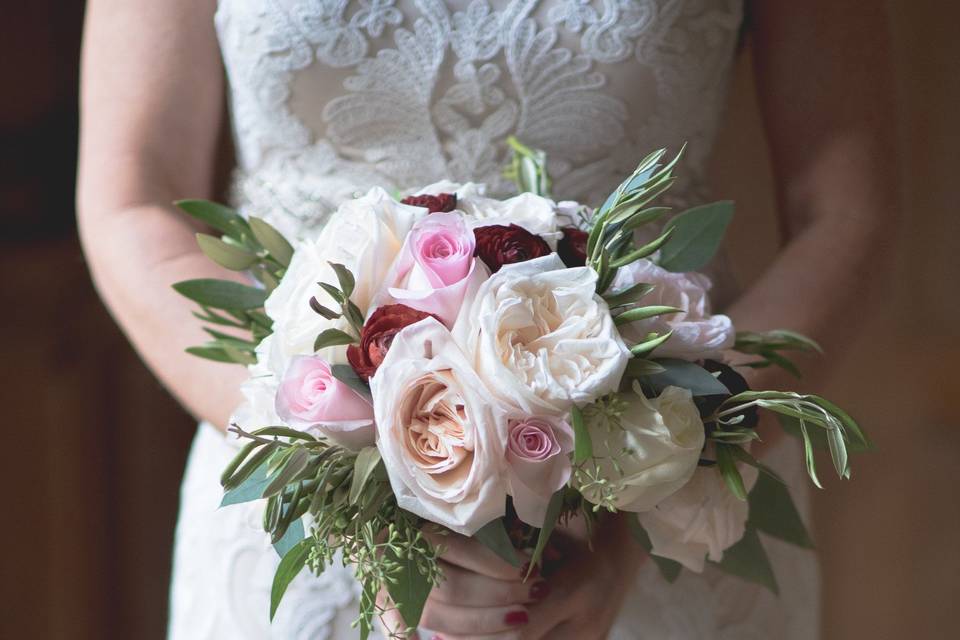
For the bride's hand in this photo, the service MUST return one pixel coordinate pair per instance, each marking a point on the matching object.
(587, 587)
(481, 596)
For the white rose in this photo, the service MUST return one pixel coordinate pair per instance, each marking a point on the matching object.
(541, 338)
(703, 519)
(365, 236)
(442, 440)
(653, 451)
(696, 333)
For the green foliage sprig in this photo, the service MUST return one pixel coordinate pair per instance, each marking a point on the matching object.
(249, 245)
(353, 511)
(768, 347)
(528, 169)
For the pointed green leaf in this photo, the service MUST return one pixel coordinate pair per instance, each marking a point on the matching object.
(218, 216)
(698, 234)
(549, 522)
(251, 488)
(644, 313)
(221, 294)
(345, 374)
(638, 367)
(748, 560)
(271, 240)
(345, 278)
(582, 444)
(216, 354)
(363, 467)
(288, 471)
(647, 346)
(687, 375)
(226, 255)
(727, 466)
(493, 536)
(409, 589)
(332, 338)
(291, 565)
(294, 534)
(772, 511)
(629, 295)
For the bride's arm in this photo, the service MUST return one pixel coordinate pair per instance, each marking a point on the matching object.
(151, 105)
(823, 77)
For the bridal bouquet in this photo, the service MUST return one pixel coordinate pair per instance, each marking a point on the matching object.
(493, 367)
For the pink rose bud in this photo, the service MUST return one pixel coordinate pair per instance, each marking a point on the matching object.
(311, 397)
(538, 460)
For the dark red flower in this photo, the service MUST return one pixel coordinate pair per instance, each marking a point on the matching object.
(572, 247)
(498, 245)
(440, 203)
(377, 336)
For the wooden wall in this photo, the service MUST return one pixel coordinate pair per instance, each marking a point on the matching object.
(93, 448)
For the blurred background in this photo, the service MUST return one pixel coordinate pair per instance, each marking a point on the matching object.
(93, 448)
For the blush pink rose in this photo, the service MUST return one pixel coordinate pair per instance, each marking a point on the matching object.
(311, 398)
(435, 268)
(538, 463)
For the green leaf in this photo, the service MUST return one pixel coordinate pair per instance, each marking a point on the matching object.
(639, 367)
(726, 464)
(291, 565)
(345, 278)
(271, 240)
(332, 338)
(772, 511)
(221, 294)
(409, 588)
(687, 375)
(225, 255)
(748, 560)
(582, 445)
(218, 216)
(643, 313)
(629, 295)
(698, 234)
(333, 292)
(211, 353)
(345, 374)
(647, 346)
(549, 522)
(363, 467)
(250, 489)
(293, 535)
(493, 536)
(646, 249)
(808, 454)
(669, 569)
(288, 471)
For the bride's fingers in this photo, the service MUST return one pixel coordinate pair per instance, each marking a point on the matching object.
(446, 619)
(391, 622)
(468, 588)
(470, 554)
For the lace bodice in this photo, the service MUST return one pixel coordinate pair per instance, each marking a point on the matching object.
(330, 97)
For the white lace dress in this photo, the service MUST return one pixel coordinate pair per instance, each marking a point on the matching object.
(330, 97)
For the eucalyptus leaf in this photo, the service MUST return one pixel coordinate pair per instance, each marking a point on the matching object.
(221, 294)
(748, 560)
(493, 536)
(291, 565)
(345, 278)
(687, 375)
(643, 313)
(639, 367)
(363, 467)
(669, 569)
(629, 295)
(272, 240)
(294, 534)
(287, 472)
(772, 511)
(226, 255)
(697, 236)
(211, 353)
(250, 489)
(647, 346)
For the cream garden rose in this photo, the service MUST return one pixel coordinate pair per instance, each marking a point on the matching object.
(701, 520)
(540, 337)
(442, 440)
(697, 333)
(650, 454)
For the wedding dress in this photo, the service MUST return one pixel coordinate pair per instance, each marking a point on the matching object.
(330, 97)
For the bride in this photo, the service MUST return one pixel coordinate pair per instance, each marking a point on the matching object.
(329, 97)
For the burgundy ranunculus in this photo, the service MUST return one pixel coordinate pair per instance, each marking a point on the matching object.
(498, 245)
(572, 247)
(440, 203)
(377, 336)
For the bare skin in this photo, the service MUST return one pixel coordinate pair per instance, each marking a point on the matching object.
(152, 101)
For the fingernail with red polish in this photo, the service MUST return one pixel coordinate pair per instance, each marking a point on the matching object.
(540, 590)
(516, 618)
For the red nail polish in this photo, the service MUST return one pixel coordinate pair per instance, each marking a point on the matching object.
(540, 590)
(516, 618)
